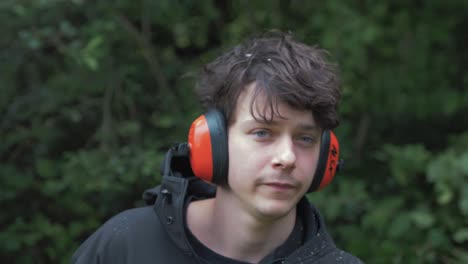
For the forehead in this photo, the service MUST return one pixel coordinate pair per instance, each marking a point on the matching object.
(254, 103)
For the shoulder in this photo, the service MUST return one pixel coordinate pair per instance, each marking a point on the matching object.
(319, 246)
(121, 236)
(323, 254)
(338, 256)
(129, 224)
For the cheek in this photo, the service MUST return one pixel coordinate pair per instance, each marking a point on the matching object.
(235, 159)
(308, 164)
(308, 167)
(245, 161)
(239, 155)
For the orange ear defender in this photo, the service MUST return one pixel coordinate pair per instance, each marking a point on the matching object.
(208, 146)
(329, 163)
(208, 152)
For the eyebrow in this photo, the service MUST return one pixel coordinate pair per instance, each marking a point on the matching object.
(308, 127)
(301, 126)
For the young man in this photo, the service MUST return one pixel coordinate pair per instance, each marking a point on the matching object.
(272, 102)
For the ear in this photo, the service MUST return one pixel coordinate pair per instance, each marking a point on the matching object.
(208, 145)
(328, 163)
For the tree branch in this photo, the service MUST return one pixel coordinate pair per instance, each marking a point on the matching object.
(361, 136)
(148, 53)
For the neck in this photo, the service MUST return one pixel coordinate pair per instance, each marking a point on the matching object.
(223, 226)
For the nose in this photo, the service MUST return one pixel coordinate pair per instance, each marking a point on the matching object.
(284, 157)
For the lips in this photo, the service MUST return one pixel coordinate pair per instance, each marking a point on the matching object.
(280, 185)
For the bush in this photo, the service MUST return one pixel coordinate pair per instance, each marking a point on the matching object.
(93, 94)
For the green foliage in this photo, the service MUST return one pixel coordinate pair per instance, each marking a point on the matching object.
(93, 93)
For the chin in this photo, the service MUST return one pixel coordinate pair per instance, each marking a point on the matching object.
(275, 209)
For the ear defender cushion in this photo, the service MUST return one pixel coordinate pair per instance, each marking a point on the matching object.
(328, 161)
(208, 145)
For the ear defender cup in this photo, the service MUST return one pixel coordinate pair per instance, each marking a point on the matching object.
(328, 163)
(208, 145)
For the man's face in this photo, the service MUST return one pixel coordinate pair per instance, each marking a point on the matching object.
(271, 164)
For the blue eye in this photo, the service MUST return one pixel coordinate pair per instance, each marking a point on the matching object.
(261, 133)
(307, 139)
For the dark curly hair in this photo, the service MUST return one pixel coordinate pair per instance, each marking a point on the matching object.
(283, 69)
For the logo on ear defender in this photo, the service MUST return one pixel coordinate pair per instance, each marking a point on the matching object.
(333, 153)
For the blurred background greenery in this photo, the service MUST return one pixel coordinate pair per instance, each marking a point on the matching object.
(93, 92)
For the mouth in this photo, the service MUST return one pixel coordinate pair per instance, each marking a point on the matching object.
(281, 186)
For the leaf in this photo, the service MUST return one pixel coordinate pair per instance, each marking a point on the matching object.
(463, 202)
(463, 164)
(422, 218)
(445, 194)
(45, 168)
(406, 161)
(461, 235)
